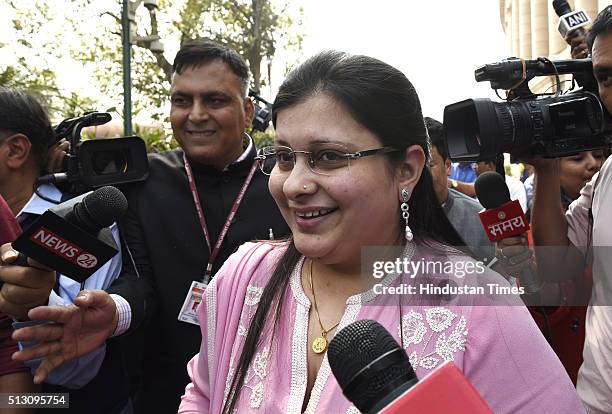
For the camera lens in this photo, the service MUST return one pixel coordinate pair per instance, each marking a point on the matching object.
(110, 162)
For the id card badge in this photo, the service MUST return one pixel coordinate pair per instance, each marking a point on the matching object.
(189, 309)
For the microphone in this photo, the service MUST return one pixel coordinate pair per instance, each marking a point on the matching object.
(503, 218)
(570, 20)
(375, 374)
(73, 237)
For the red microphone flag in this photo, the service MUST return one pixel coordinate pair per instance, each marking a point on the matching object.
(443, 391)
(504, 221)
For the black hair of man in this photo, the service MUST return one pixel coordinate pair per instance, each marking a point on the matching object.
(22, 113)
(435, 129)
(198, 52)
(498, 162)
(601, 24)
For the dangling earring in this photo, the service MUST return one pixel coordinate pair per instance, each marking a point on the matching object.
(405, 213)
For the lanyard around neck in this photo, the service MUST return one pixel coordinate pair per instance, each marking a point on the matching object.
(198, 205)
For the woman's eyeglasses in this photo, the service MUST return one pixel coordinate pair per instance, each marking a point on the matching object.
(324, 159)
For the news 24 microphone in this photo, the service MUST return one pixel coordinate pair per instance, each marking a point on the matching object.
(73, 237)
(570, 20)
(375, 374)
(504, 218)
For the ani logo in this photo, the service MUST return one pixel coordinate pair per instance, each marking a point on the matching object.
(501, 215)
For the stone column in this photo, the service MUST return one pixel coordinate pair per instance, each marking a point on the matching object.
(515, 19)
(525, 28)
(539, 28)
(556, 44)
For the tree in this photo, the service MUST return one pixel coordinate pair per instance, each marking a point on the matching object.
(251, 27)
(34, 55)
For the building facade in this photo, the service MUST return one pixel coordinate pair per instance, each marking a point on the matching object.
(531, 26)
(531, 30)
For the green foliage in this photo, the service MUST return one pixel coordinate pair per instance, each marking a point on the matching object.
(156, 139)
(47, 32)
(251, 27)
(34, 53)
(263, 139)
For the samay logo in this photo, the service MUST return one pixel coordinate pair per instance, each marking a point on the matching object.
(63, 248)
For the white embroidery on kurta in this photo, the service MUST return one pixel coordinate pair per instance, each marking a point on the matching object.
(211, 323)
(439, 320)
(254, 379)
(413, 327)
(353, 410)
(299, 344)
(228, 380)
(257, 393)
(260, 364)
(252, 297)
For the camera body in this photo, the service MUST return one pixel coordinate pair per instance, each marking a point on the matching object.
(529, 125)
(262, 114)
(97, 162)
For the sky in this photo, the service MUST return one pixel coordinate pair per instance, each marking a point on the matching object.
(437, 43)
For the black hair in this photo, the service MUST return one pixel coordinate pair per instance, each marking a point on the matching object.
(198, 52)
(498, 162)
(601, 24)
(383, 100)
(435, 129)
(22, 113)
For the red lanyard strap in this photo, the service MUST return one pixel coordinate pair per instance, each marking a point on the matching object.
(198, 205)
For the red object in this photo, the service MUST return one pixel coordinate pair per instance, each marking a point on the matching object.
(9, 230)
(504, 221)
(443, 391)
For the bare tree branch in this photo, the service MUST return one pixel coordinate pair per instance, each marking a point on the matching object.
(118, 19)
(241, 10)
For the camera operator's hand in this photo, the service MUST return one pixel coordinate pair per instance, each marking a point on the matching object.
(78, 330)
(514, 255)
(543, 165)
(56, 155)
(24, 288)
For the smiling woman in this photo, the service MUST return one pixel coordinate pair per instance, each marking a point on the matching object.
(347, 171)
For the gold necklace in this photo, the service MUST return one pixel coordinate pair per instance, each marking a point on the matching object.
(319, 345)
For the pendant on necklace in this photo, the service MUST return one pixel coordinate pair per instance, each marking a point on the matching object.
(319, 345)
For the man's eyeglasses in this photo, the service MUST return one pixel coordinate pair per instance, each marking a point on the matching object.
(324, 159)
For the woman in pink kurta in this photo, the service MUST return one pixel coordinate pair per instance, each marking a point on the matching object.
(270, 303)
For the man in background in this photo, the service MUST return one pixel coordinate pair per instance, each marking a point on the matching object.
(515, 186)
(461, 210)
(14, 376)
(198, 205)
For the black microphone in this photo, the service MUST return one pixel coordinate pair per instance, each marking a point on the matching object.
(492, 192)
(574, 21)
(73, 237)
(370, 366)
(569, 20)
(375, 374)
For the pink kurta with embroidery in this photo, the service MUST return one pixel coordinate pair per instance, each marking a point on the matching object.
(499, 348)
